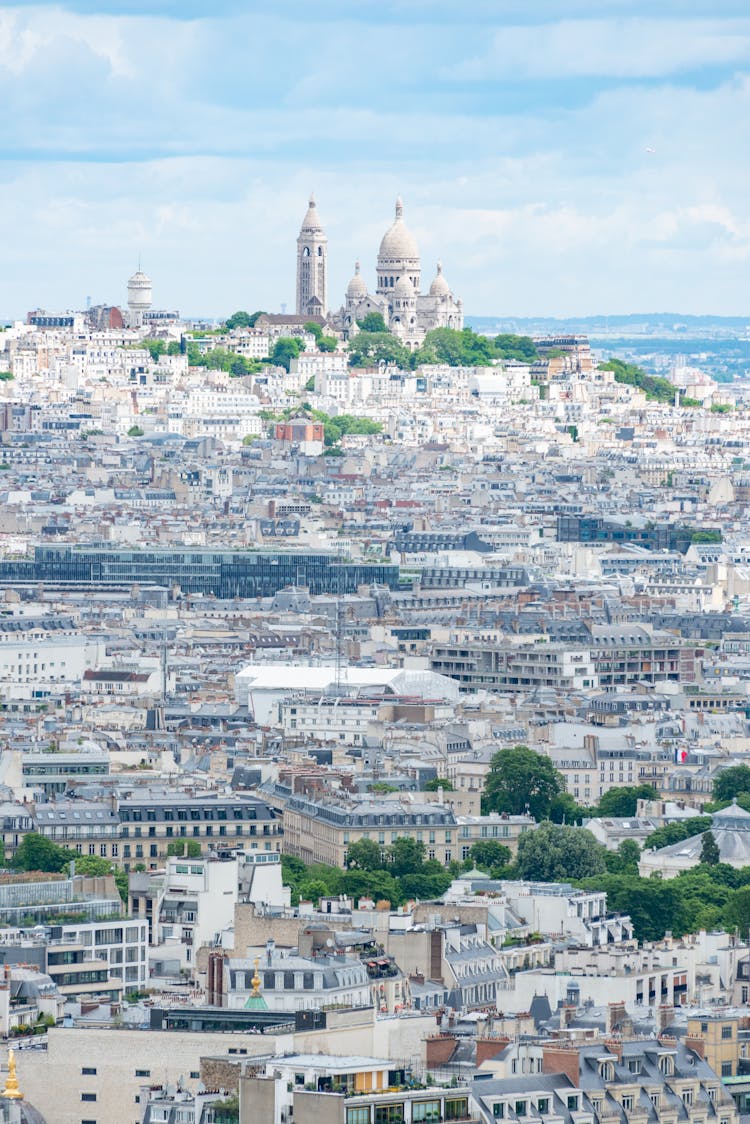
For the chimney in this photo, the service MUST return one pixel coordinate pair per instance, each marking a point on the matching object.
(562, 1059)
(567, 1014)
(490, 1047)
(614, 1045)
(697, 1044)
(664, 1017)
(615, 1016)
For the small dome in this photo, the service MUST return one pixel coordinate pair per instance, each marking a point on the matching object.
(139, 278)
(403, 289)
(439, 287)
(398, 243)
(356, 287)
(311, 221)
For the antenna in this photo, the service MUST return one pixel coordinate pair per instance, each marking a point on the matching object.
(164, 667)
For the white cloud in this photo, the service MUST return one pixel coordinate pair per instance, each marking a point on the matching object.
(608, 48)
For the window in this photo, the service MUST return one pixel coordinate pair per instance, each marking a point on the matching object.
(143, 1073)
(389, 1114)
(655, 1099)
(88, 1070)
(726, 1031)
(542, 1106)
(687, 1096)
(520, 1108)
(726, 1069)
(498, 1110)
(572, 1104)
(457, 1109)
(355, 1115)
(88, 1096)
(425, 1111)
(627, 1102)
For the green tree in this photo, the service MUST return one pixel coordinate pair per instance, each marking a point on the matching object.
(405, 856)
(368, 349)
(655, 389)
(36, 852)
(364, 854)
(135, 431)
(556, 853)
(710, 854)
(376, 884)
(488, 853)
(6, 376)
(731, 782)
(285, 350)
(462, 348)
(372, 322)
(521, 779)
(653, 905)
(625, 859)
(737, 912)
(564, 809)
(193, 849)
(242, 320)
(176, 847)
(521, 348)
(156, 348)
(427, 887)
(623, 801)
(438, 782)
(676, 832)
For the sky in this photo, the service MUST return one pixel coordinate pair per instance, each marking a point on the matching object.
(560, 159)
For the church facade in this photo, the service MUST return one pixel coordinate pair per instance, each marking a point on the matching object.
(407, 311)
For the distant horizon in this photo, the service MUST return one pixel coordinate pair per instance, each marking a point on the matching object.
(563, 158)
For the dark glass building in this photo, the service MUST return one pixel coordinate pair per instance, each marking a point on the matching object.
(223, 574)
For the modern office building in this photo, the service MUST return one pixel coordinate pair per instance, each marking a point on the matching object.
(223, 574)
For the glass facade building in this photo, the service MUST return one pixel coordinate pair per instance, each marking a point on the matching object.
(222, 574)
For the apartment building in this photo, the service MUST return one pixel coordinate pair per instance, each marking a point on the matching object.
(322, 830)
(146, 827)
(639, 1080)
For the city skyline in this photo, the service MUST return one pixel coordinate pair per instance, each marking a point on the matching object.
(558, 168)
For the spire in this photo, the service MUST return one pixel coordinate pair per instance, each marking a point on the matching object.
(356, 268)
(11, 1090)
(399, 208)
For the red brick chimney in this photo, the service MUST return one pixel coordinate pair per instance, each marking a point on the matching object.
(490, 1047)
(562, 1059)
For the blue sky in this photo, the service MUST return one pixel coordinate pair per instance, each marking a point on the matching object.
(559, 158)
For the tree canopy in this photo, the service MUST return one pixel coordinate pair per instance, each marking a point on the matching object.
(369, 349)
(285, 349)
(456, 348)
(623, 801)
(438, 782)
(323, 342)
(729, 783)
(520, 779)
(242, 320)
(558, 852)
(521, 348)
(676, 832)
(655, 388)
(372, 322)
(710, 854)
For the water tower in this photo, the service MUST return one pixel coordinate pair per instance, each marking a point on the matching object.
(139, 297)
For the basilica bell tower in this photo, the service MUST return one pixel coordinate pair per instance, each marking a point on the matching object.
(312, 265)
